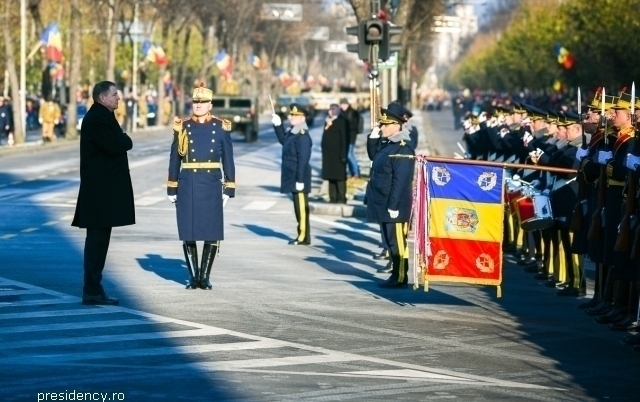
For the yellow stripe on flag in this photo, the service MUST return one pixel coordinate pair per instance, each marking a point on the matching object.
(457, 219)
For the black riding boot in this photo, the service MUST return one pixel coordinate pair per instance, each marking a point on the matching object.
(208, 255)
(191, 257)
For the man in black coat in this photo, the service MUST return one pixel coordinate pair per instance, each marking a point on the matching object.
(105, 199)
(335, 144)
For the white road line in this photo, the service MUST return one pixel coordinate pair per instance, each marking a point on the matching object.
(8, 236)
(28, 230)
(55, 313)
(15, 292)
(74, 325)
(42, 302)
(94, 339)
(275, 362)
(259, 205)
(66, 218)
(50, 223)
(407, 373)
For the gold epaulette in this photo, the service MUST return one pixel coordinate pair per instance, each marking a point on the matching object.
(226, 124)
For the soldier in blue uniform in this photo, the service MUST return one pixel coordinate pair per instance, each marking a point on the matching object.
(389, 192)
(295, 177)
(201, 180)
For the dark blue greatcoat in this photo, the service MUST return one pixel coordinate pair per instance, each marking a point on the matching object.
(199, 190)
(296, 153)
(390, 182)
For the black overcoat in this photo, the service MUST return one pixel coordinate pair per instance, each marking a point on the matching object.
(335, 144)
(105, 198)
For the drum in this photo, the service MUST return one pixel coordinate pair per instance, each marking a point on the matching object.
(514, 189)
(534, 212)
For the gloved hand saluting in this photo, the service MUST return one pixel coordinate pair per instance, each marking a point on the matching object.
(276, 120)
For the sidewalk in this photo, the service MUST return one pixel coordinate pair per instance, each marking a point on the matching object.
(355, 207)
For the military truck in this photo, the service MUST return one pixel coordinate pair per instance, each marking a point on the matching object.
(241, 111)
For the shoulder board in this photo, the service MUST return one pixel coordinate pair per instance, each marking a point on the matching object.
(226, 124)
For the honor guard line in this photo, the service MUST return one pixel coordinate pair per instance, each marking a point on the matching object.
(486, 163)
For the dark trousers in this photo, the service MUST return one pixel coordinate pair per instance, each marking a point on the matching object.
(394, 236)
(301, 206)
(96, 246)
(338, 191)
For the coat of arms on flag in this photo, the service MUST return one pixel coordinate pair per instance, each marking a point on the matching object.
(461, 223)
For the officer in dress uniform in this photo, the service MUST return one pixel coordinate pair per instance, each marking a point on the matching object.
(295, 177)
(201, 180)
(389, 192)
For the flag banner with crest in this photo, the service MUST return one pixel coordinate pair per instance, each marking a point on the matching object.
(464, 223)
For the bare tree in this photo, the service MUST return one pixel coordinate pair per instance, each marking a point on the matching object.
(74, 73)
(18, 129)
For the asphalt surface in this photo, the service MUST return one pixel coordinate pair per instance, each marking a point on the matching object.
(282, 323)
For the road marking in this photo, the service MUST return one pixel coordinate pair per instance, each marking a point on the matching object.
(50, 223)
(56, 313)
(8, 236)
(13, 183)
(66, 218)
(102, 348)
(259, 205)
(28, 230)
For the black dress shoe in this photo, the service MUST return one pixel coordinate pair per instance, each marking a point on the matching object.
(588, 304)
(562, 285)
(551, 283)
(622, 326)
(542, 276)
(386, 269)
(601, 308)
(532, 268)
(382, 256)
(299, 243)
(614, 315)
(634, 326)
(572, 292)
(392, 284)
(526, 261)
(632, 339)
(99, 300)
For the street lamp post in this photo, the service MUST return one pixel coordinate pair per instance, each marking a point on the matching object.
(134, 78)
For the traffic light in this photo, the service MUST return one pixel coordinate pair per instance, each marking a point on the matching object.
(386, 47)
(374, 31)
(361, 47)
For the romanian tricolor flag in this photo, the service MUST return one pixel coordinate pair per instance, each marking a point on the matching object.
(464, 223)
(51, 39)
(154, 53)
(255, 61)
(224, 62)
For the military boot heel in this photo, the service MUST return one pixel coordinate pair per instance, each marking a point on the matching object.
(191, 257)
(208, 255)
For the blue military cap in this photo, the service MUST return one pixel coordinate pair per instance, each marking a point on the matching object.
(390, 116)
(535, 113)
(399, 109)
(296, 109)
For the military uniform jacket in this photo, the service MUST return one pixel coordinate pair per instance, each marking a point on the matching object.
(564, 191)
(389, 186)
(296, 154)
(201, 169)
(106, 194)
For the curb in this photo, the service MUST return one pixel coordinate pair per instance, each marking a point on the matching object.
(344, 211)
(39, 146)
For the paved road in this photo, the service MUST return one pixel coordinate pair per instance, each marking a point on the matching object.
(282, 323)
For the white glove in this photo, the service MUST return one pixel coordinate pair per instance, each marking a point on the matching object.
(172, 198)
(40, 120)
(482, 117)
(632, 161)
(581, 153)
(504, 132)
(527, 138)
(276, 120)
(546, 192)
(375, 133)
(225, 198)
(393, 214)
(56, 122)
(604, 156)
(299, 186)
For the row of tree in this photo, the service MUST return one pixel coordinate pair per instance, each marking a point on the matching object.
(556, 44)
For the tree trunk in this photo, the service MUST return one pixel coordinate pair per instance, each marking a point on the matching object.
(74, 73)
(161, 72)
(112, 39)
(209, 39)
(18, 129)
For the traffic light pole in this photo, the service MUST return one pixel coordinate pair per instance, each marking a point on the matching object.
(374, 85)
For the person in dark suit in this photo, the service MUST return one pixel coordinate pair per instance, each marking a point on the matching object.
(295, 177)
(335, 146)
(389, 192)
(197, 184)
(353, 126)
(105, 199)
